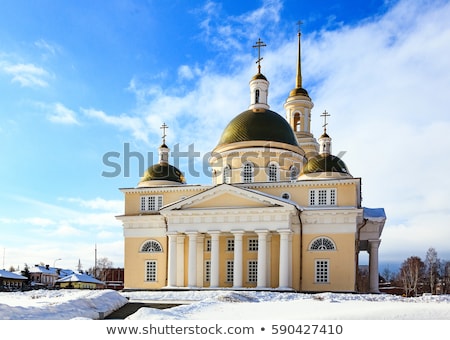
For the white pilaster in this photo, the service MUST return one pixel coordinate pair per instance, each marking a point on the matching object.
(237, 270)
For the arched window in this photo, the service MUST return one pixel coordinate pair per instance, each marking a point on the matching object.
(293, 173)
(256, 96)
(247, 172)
(322, 243)
(297, 122)
(227, 174)
(151, 246)
(273, 172)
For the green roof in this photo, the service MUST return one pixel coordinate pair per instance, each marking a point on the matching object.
(165, 172)
(325, 163)
(265, 125)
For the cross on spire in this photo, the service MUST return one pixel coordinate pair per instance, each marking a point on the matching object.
(258, 45)
(325, 114)
(299, 24)
(164, 127)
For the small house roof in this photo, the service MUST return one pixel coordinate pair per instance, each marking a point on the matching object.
(77, 277)
(4, 274)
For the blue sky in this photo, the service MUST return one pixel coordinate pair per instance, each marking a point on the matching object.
(79, 80)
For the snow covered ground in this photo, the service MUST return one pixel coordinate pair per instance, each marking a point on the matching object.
(222, 305)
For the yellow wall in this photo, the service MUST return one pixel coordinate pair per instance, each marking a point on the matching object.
(135, 263)
(342, 263)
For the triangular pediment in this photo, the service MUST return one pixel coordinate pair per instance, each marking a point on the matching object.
(226, 196)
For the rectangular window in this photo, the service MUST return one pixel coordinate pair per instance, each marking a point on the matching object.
(230, 270)
(151, 203)
(252, 272)
(322, 271)
(230, 244)
(208, 245)
(252, 244)
(207, 270)
(150, 271)
(322, 197)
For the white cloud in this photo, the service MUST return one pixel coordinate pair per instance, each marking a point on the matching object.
(124, 122)
(62, 115)
(27, 75)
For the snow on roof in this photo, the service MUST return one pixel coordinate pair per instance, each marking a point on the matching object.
(374, 214)
(4, 274)
(77, 277)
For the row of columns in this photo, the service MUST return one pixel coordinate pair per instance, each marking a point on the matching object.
(176, 260)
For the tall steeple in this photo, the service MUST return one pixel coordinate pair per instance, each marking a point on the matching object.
(298, 107)
(324, 139)
(259, 85)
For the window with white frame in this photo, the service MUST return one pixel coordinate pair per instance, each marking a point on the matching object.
(227, 174)
(322, 243)
(247, 172)
(252, 272)
(151, 246)
(151, 202)
(150, 270)
(207, 270)
(252, 244)
(322, 196)
(230, 270)
(230, 244)
(322, 271)
(272, 172)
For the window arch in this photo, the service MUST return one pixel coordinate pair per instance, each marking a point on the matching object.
(257, 96)
(226, 174)
(272, 173)
(297, 122)
(293, 173)
(151, 246)
(322, 243)
(247, 172)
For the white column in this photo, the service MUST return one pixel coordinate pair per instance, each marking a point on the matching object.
(180, 260)
(172, 260)
(373, 266)
(284, 272)
(200, 260)
(262, 258)
(192, 259)
(214, 258)
(237, 269)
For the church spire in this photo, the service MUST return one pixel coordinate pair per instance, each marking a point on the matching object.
(164, 149)
(298, 83)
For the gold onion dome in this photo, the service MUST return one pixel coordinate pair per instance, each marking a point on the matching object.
(261, 125)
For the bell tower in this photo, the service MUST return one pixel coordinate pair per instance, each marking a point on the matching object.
(298, 108)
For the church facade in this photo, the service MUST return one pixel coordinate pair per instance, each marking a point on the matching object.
(282, 211)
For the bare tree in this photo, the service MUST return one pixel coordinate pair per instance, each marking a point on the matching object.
(101, 269)
(445, 274)
(432, 268)
(411, 272)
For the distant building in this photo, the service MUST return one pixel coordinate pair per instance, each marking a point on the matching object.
(80, 281)
(43, 276)
(282, 212)
(10, 281)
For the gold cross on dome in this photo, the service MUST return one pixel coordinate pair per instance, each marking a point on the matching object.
(258, 45)
(325, 114)
(164, 127)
